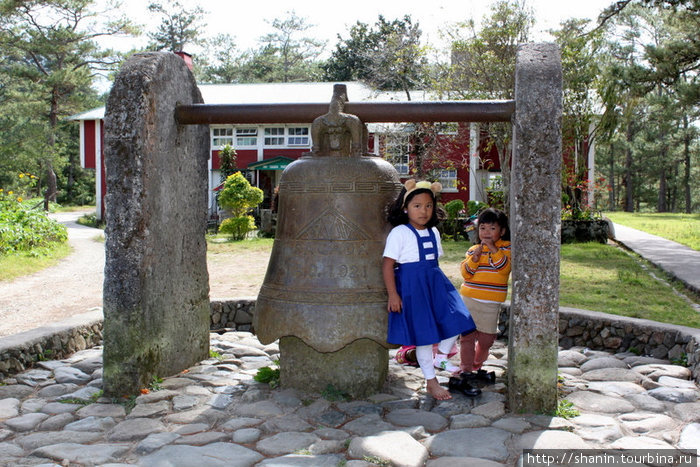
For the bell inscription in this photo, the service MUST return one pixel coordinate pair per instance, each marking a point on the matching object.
(323, 294)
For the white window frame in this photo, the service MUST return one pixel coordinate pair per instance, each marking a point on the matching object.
(298, 136)
(218, 141)
(400, 158)
(448, 179)
(273, 136)
(244, 134)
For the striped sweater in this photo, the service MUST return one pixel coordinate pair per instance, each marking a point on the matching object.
(487, 279)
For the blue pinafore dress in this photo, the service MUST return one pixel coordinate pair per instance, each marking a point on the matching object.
(432, 309)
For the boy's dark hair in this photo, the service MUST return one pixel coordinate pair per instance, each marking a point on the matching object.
(397, 216)
(495, 216)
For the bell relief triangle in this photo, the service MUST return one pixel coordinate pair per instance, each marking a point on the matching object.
(331, 225)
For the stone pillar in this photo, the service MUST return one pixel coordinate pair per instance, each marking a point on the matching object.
(156, 287)
(535, 221)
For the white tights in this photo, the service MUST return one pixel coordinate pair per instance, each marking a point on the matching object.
(424, 355)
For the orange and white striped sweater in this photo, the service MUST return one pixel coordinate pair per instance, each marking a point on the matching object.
(487, 279)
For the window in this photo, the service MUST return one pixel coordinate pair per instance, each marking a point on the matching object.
(220, 137)
(397, 151)
(448, 178)
(274, 136)
(298, 136)
(246, 137)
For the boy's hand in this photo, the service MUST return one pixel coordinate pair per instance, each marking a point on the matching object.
(476, 252)
(491, 245)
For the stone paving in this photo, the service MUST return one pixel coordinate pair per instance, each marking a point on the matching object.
(216, 414)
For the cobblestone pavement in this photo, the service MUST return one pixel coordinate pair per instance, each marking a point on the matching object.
(216, 414)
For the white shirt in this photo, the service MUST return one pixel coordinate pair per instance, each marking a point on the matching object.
(402, 245)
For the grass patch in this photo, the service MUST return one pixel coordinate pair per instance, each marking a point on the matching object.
(90, 220)
(222, 244)
(681, 228)
(605, 278)
(268, 375)
(60, 208)
(22, 263)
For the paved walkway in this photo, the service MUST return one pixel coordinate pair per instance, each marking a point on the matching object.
(680, 261)
(215, 414)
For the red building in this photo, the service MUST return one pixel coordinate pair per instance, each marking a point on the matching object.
(263, 151)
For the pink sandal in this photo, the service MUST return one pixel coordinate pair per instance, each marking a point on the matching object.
(403, 357)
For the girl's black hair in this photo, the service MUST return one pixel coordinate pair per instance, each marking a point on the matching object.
(495, 216)
(397, 216)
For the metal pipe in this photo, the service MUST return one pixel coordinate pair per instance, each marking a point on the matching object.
(436, 111)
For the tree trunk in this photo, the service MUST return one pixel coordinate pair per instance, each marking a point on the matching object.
(661, 205)
(612, 205)
(686, 174)
(51, 186)
(629, 188)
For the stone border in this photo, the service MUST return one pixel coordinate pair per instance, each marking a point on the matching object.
(583, 328)
(51, 342)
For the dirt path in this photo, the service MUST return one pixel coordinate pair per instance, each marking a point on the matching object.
(74, 286)
(71, 287)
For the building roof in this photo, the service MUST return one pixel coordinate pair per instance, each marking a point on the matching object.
(282, 93)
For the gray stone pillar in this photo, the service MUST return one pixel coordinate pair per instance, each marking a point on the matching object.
(156, 287)
(535, 221)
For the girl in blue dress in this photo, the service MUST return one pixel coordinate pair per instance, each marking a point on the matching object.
(424, 307)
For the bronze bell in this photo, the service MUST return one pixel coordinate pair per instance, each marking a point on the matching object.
(323, 294)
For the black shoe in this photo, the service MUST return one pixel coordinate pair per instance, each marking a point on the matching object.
(489, 377)
(463, 386)
(479, 376)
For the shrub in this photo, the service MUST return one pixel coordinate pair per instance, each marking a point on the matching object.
(239, 197)
(475, 207)
(22, 229)
(454, 208)
(237, 227)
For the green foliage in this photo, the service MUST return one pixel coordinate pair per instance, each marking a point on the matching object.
(681, 361)
(178, 27)
(238, 196)
(228, 161)
(286, 54)
(156, 384)
(454, 208)
(90, 220)
(268, 375)
(475, 207)
(237, 227)
(566, 409)
(48, 60)
(387, 55)
(23, 229)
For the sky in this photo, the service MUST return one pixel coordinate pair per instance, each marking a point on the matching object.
(247, 21)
